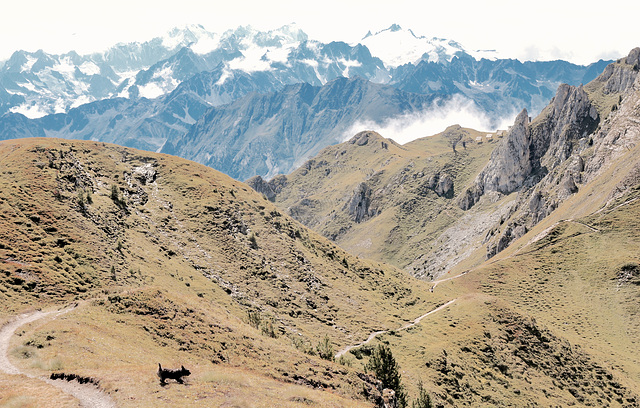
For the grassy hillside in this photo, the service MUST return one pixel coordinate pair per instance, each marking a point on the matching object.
(167, 260)
(179, 264)
(552, 322)
(406, 211)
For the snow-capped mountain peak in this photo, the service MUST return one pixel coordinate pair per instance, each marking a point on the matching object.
(396, 46)
(196, 36)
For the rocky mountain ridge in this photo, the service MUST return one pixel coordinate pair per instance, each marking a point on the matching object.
(538, 164)
(568, 145)
(145, 95)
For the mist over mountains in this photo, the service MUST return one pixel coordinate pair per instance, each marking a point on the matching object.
(153, 95)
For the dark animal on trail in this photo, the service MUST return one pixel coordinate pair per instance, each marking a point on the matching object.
(177, 374)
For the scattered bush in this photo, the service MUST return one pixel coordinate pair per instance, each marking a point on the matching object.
(302, 345)
(268, 328)
(254, 319)
(253, 241)
(345, 361)
(325, 349)
(361, 352)
(115, 193)
(423, 400)
(117, 198)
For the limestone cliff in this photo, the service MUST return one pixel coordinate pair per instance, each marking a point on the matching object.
(571, 142)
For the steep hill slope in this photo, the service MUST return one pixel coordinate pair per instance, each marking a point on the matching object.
(380, 200)
(170, 261)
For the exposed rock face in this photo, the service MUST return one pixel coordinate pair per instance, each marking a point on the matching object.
(389, 399)
(575, 152)
(530, 150)
(269, 188)
(362, 138)
(618, 80)
(261, 186)
(539, 160)
(620, 130)
(360, 202)
(510, 163)
(570, 117)
(442, 184)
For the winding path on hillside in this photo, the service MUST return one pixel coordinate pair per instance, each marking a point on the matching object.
(435, 283)
(406, 326)
(88, 395)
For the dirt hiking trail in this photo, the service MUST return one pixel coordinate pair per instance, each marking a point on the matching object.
(89, 396)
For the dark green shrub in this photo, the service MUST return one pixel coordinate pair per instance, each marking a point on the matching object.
(386, 369)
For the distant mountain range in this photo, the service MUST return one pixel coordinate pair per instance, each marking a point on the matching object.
(163, 94)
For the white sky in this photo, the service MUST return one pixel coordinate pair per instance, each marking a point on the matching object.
(579, 31)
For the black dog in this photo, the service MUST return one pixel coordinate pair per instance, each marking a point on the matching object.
(167, 373)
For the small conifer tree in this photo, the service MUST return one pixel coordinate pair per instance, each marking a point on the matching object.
(386, 369)
(423, 400)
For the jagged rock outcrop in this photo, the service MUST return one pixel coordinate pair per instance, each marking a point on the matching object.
(362, 138)
(269, 188)
(511, 162)
(441, 184)
(581, 142)
(618, 80)
(531, 149)
(540, 159)
(359, 205)
(620, 131)
(571, 116)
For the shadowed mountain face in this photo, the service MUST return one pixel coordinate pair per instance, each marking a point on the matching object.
(273, 133)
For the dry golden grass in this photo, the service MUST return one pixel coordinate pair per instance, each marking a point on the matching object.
(409, 217)
(22, 392)
(168, 270)
(172, 278)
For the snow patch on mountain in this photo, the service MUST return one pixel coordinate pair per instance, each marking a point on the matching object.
(89, 68)
(27, 66)
(31, 111)
(163, 82)
(396, 46)
(254, 58)
(194, 35)
(348, 64)
(82, 99)
(261, 50)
